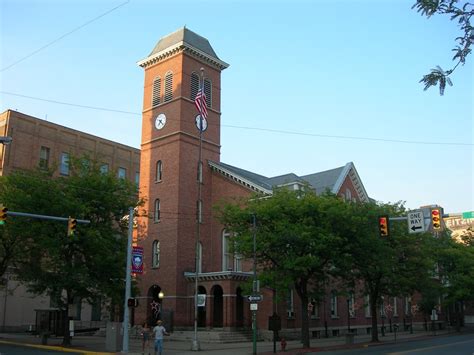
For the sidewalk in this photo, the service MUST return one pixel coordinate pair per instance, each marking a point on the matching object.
(93, 345)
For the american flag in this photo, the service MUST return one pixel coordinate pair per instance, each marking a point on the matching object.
(200, 102)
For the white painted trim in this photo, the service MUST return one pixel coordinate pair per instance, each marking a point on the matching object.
(176, 47)
(240, 179)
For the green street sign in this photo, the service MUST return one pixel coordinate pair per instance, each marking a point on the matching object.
(466, 215)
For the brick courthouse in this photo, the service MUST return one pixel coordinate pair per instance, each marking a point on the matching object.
(169, 185)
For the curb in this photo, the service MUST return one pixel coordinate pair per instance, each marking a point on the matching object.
(56, 348)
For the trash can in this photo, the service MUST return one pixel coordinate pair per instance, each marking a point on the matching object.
(113, 337)
(350, 338)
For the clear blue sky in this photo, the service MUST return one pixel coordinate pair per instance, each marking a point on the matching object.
(335, 68)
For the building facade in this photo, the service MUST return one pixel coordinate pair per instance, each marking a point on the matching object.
(39, 143)
(181, 178)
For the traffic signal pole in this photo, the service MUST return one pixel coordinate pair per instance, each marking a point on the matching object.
(40, 216)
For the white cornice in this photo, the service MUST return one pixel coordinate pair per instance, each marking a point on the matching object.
(178, 47)
(239, 179)
(349, 169)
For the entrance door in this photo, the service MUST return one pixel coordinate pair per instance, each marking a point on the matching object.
(239, 308)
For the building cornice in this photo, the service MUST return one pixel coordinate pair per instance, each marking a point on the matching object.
(183, 47)
(218, 276)
(238, 179)
(350, 170)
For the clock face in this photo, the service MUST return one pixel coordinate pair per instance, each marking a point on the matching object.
(201, 123)
(160, 121)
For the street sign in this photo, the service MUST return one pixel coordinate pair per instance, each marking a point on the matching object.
(416, 222)
(253, 306)
(466, 215)
(255, 298)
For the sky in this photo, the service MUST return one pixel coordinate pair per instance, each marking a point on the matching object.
(311, 86)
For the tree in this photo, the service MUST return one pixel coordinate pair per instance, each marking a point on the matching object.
(459, 10)
(82, 266)
(456, 270)
(296, 244)
(391, 266)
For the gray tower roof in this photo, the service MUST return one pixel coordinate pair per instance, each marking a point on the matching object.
(184, 40)
(188, 38)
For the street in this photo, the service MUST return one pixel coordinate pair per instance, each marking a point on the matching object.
(6, 349)
(455, 344)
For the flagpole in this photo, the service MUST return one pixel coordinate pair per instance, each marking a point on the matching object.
(195, 345)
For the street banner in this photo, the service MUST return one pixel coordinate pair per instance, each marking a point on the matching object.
(137, 260)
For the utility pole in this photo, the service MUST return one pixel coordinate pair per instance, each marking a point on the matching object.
(254, 311)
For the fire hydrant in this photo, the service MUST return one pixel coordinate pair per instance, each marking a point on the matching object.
(283, 344)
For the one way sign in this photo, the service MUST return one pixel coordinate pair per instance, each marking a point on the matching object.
(416, 222)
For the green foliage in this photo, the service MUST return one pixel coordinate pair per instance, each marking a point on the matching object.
(297, 243)
(456, 268)
(394, 266)
(87, 265)
(459, 10)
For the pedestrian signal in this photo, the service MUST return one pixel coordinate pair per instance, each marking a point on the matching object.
(132, 302)
(383, 226)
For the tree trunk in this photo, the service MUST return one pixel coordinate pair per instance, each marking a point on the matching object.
(302, 290)
(373, 310)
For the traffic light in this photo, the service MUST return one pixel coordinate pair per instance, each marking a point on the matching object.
(3, 214)
(132, 302)
(71, 226)
(383, 226)
(436, 219)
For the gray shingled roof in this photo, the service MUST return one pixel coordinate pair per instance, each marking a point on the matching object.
(324, 180)
(284, 179)
(189, 38)
(252, 177)
(319, 181)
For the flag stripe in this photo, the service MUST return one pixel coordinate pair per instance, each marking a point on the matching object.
(200, 102)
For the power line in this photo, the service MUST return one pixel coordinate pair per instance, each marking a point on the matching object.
(61, 37)
(70, 104)
(372, 139)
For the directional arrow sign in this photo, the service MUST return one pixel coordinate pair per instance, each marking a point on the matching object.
(255, 298)
(415, 221)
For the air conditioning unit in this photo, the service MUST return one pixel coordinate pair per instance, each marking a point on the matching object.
(291, 314)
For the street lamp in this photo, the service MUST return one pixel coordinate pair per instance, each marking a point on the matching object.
(161, 295)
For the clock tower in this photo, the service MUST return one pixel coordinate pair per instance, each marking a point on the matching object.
(170, 178)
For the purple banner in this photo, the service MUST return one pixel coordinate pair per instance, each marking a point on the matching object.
(137, 260)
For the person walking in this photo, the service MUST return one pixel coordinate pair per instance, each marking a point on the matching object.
(159, 331)
(145, 338)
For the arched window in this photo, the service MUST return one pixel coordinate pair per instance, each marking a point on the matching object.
(333, 305)
(230, 261)
(348, 195)
(156, 215)
(168, 86)
(200, 257)
(155, 254)
(208, 91)
(226, 255)
(156, 96)
(159, 170)
(194, 85)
